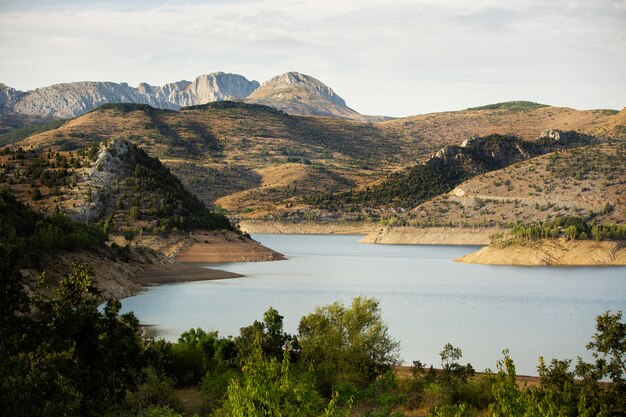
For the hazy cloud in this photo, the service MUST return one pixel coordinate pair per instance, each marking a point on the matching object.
(384, 57)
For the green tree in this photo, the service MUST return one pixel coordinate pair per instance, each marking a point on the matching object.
(35, 195)
(269, 388)
(271, 336)
(347, 344)
(452, 370)
(74, 359)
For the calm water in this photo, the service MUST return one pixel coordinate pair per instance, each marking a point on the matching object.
(426, 299)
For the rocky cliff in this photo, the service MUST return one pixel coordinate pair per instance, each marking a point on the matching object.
(73, 99)
(292, 92)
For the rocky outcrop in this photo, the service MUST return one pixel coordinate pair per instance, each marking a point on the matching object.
(206, 89)
(73, 99)
(8, 97)
(297, 93)
(110, 165)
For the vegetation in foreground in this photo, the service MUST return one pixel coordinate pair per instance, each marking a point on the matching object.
(62, 354)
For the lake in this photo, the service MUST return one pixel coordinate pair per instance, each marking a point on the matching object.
(427, 300)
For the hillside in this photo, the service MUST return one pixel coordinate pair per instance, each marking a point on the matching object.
(587, 181)
(53, 243)
(258, 162)
(114, 184)
(507, 119)
(225, 148)
(116, 209)
(566, 183)
(448, 167)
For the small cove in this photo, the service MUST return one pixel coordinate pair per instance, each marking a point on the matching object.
(426, 299)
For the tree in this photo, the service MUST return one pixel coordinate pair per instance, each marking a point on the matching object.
(269, 388)
(269, 333)
(35, 195)
(347, 344)
(609, 345)
(74, 359)
(452, 370)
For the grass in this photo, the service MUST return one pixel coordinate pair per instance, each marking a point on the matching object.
(24, 132)
(512, 106)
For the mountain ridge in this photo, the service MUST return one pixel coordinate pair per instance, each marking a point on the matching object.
(292, 92)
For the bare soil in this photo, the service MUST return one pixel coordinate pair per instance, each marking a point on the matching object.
(551, 252)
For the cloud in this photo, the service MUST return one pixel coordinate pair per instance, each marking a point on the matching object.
(394, 57)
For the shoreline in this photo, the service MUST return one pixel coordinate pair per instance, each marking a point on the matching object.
(306, 227)
(551, 252)
(180, 272)
(202, 248)
(407, 235)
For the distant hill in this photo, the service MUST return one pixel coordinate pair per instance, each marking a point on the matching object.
(260, 162)
(451, 165)
(588, 181)
(512, 106)
(225, 147)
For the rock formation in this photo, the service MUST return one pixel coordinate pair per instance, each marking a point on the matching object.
(297, 93)
(73, 99)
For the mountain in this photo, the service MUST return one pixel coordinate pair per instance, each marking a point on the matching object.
(73, 99)
(296, 93)
(293, 93)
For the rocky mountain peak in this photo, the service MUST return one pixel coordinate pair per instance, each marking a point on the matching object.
(291, 80)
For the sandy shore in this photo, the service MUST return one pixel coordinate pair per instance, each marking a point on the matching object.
(204, 247)
(223, 246)
(551, 252)
(431, 236)
(306, 228)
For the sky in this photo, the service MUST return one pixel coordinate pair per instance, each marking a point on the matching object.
(384, 57)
